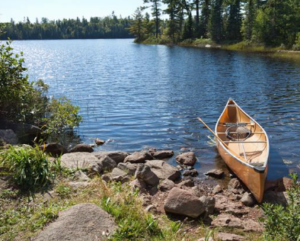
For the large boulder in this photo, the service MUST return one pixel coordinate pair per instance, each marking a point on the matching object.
(128, 167)
(187, 159)
(183, 202)
(229, 237)
(209, 203)
(163, 154)
(119, 175)
(139, 157)
(82, 148)
(8, 137)
(166, 185)
(163, 170)
(53, 149)
(145, 174)
(81, 222)
(216, 173)
(248, 199)
(81, 160)
(117, 156)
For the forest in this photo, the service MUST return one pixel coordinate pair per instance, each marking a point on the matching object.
(107, 27)
(269, 22)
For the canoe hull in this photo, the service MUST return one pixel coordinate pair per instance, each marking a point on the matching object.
(253, 179)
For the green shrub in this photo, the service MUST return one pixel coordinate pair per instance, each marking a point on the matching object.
(283, 223)
(29, 167)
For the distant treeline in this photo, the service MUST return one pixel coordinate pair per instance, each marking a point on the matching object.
(107, 27)
(269, 22)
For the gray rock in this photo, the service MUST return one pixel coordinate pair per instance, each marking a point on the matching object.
(81, 176)
(227, 220)
(248, 200)
(163, 154)
(190, 173)
(186, 183)
(82, 148)
(252, 226)
(8, 136)
(197, 191)
(107, 164)
(183, 202)
(80, 222)
(139, 157)
(166, 185)
(117, 156)
(81, 160)
(216, 173)
(229, 237)
(188, 159)
(209, 203)
(234, 183)
(217, 189)
(53, 149)
(276, 198)
(144, 173)
(163, 170)
(106, 177)
(119, 175)
(128, 167)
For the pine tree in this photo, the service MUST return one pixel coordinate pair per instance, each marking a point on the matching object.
(234, 23)
(173, 9)
(137, 28)
(204, 20)
(216, 21)
(156, 13)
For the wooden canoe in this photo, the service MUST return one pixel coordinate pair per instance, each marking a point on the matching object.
(244, 146)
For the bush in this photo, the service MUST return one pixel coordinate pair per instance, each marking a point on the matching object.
(29, 167)
(283, 223)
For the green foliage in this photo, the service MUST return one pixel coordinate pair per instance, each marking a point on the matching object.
(29, 167)
(62, 115)
(283, 223)
(107, 27)
(63, 190)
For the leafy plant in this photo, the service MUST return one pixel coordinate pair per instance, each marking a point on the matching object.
(283, 223)
(29, 167)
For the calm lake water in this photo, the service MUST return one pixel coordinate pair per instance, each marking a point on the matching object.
(141, 96)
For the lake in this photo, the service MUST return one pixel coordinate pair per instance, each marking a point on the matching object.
(142, 96)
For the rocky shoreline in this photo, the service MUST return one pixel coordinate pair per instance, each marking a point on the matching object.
(164, 189)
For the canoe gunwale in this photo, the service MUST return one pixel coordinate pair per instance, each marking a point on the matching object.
(260, 169)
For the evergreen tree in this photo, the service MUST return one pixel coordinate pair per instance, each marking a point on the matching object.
(156, 13)
(234, 22)
(216, 21)
(173, 10)
(204, 20)
(137, 28)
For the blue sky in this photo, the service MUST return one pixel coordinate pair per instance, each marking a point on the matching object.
(58, 9)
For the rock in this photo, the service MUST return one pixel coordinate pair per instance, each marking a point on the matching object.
(166, 185)
(81, 160)
(107, 164)
(82, 148)
(188, 159)
(276, 198)
(186, 183)
(139, 157)
(209, 203)
(223, 203)
(227, 220)
(138, 184)
(164, 154)
(128, 167)
(163, 170)
(77, 185)
(252, 226)
(217, 189)
(183, 202)
(99, 142)
(81, 176)
(119, 175)
(234, 183)
(216, 173)
(153, 190)
(8, 136)
(248, 200)
(144, 173)
(197, 191)
(190, 173)
(53, 149)
(229, 237)
(106, 177)
(117, 156)
(80, 222)
(284, 184)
